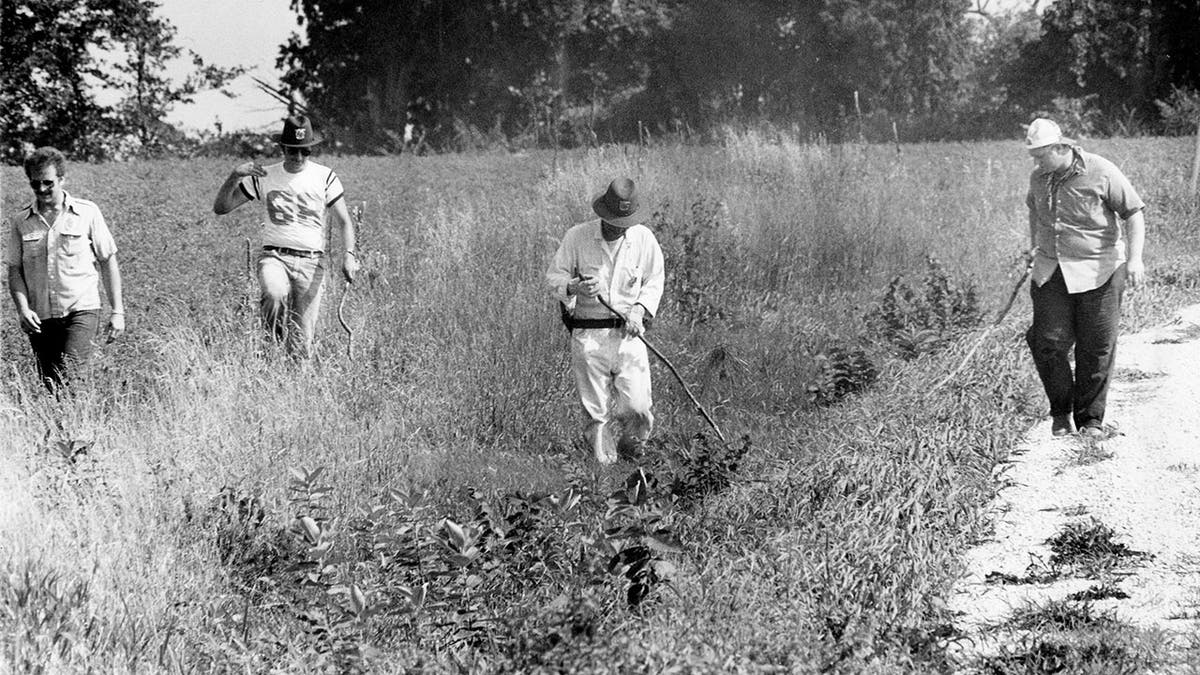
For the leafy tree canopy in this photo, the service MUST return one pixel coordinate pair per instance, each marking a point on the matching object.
(56, 55)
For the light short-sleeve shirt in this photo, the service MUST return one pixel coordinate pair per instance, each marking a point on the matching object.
(58, 260)
(297, 204)
(1077, 221)
(630, 270)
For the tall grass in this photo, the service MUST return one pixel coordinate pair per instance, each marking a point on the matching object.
(829, 551)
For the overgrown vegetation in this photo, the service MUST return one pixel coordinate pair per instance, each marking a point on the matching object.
(1072, 637)
(449, 520)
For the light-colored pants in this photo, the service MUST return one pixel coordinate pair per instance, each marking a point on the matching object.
(291, 298)
(612, 375)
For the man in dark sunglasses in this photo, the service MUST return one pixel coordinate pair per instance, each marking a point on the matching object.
(59, 248)
(300, 195)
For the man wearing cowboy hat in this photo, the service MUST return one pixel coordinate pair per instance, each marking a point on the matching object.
(1082, 258)
(617, 259)
(299, 195)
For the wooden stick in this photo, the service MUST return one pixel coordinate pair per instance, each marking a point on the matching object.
(674, 372)
(979, 341)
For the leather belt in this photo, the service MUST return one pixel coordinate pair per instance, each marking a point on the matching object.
(294, 252)
(573, 323)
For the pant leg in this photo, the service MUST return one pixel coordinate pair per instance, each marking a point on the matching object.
(633, 392)
(79, 342)
(308, 277)
(48, 346)
(592, 355)
(65, 346)
(275, 291)
(1097, 327)
(1050, 339)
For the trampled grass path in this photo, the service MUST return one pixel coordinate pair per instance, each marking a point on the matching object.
(1143, 484)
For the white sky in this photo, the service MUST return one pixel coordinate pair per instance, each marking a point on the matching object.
(228, 33)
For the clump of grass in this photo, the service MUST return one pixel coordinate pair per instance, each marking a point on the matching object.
(1102, 591)
(1070, 637)
(1088, 452)
(1090, 548)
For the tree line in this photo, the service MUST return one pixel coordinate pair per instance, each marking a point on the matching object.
(381, 75)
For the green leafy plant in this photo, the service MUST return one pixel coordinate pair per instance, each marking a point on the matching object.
(842, 372)
(636, 532)
(922, 319)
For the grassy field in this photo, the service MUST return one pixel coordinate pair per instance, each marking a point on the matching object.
(426, 506)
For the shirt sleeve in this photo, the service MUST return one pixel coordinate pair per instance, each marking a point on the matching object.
(560, 271)
(1121, 197)
(103, 244)
(12, 243)
(652, 288)
(249, 186)
(333, 189)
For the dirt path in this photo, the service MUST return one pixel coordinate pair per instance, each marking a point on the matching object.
(1143, 483)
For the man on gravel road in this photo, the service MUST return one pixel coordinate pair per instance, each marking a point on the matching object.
(1082, 258)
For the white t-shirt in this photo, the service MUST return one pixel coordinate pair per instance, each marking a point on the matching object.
(297, 204)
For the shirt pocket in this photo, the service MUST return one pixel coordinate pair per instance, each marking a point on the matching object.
(633, 278)
(73, 243)
(33, 245)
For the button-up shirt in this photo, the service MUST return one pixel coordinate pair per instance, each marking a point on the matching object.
(630, 270)
(1074, 218)
(58, 260)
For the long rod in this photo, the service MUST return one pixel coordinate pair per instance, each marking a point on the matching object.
(667, 362)
(979, 341)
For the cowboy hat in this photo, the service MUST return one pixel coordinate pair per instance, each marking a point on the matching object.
(618, 205)
(297, 133)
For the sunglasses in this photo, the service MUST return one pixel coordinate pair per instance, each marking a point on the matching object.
(303, 152)
(37, 184)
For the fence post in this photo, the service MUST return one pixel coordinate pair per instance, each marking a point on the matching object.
(1196, 159)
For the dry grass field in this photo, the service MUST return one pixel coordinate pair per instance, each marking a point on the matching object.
(425, 506)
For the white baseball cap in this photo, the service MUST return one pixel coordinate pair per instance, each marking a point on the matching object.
(1042, 132)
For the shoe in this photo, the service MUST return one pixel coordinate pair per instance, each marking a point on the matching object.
(1061, 426)
(603, 445)
(1093, 432)
(631, 448)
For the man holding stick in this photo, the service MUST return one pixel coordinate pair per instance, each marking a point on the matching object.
(1081, 261)
(300, 195)
(617, 261)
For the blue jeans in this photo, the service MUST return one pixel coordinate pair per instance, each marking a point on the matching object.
(1089, 322)
(64, 346)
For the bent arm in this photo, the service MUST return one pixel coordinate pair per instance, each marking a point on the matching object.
(230, 195)
(560, 273)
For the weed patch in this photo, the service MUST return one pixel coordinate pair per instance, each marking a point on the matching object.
(1088, 547)
(1070, 637)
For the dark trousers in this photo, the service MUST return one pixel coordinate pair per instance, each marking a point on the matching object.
(1089, 322)
(64, 346)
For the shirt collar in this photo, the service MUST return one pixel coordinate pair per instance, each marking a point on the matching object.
(1078, 166)
(68, 205)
